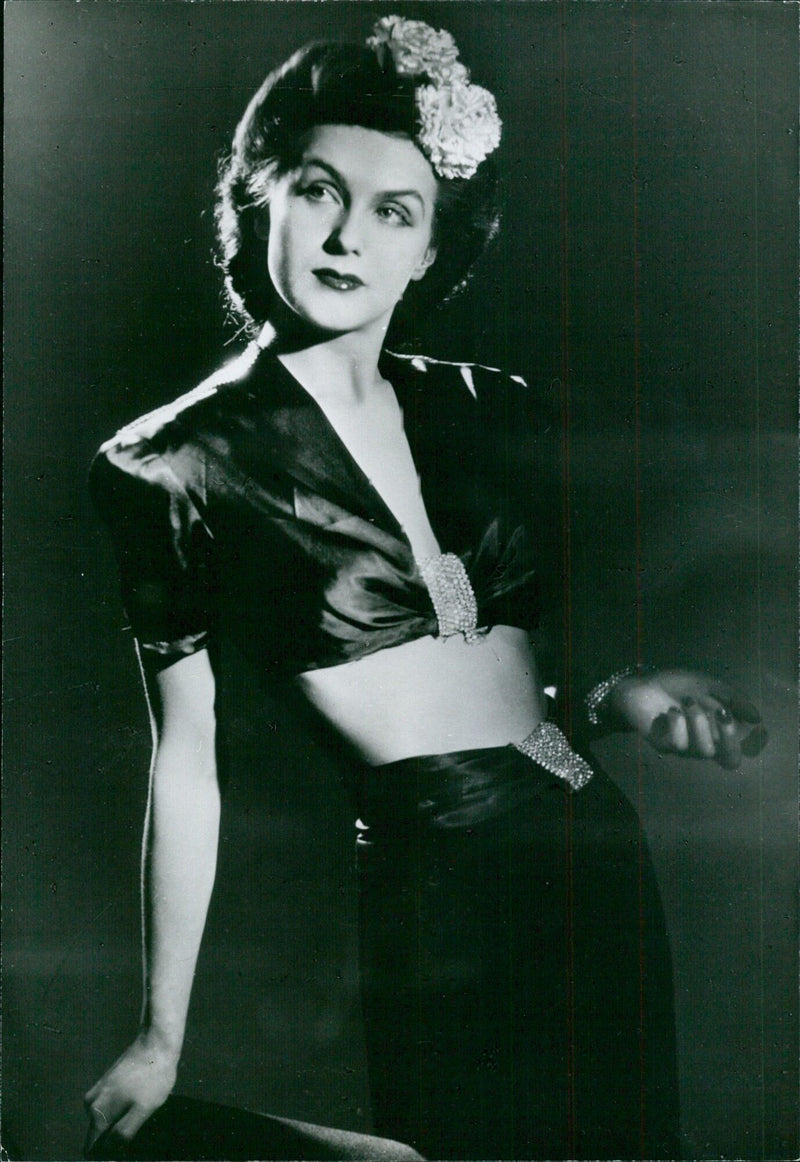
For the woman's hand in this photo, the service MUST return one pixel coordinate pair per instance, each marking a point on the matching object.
(134, 1087)
(681, 712)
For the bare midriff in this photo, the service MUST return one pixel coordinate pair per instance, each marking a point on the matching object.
(432, 696)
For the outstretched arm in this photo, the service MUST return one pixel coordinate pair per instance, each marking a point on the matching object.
(178, 868)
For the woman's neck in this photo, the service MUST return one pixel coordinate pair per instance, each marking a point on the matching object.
(344, 367)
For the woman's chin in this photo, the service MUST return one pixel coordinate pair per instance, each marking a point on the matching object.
(319, 325)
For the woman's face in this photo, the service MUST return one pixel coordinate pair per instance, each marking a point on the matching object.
(350, 227)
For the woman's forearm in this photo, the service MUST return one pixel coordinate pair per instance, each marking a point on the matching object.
(179, 864)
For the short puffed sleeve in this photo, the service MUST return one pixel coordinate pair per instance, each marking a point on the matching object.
(162, 546)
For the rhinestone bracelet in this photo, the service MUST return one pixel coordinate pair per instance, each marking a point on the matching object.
(548, 747)
(595, 698)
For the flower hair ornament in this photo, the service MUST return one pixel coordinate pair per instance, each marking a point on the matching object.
(458, 122)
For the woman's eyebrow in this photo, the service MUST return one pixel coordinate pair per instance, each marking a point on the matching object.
(404, 194)
(317, 161)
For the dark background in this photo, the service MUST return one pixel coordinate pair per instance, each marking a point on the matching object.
(646, 277)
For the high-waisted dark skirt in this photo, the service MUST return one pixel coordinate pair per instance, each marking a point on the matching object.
(516, 972)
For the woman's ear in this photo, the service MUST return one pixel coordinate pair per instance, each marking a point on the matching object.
(425, 263)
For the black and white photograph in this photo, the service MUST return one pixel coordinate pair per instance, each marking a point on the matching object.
(400, 647)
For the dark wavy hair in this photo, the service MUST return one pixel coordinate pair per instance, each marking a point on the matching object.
(337, 84)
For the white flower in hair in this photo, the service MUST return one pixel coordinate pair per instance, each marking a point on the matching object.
(418, 48)
(459, 127)
(459, 123)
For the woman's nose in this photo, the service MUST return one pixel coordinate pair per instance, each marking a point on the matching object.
(346, 236)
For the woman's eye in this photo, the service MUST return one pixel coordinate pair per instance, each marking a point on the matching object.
(318, 192)
(393, 213)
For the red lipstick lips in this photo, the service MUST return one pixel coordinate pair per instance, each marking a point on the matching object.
(337, 281)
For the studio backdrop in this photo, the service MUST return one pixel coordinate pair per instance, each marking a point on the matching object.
(644, 282)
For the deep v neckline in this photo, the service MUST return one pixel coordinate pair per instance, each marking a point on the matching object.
(357, 474)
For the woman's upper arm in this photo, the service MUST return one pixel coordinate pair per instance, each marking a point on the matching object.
(164, 549)
(182, 701)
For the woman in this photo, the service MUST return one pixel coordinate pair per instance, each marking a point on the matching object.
(352, 519)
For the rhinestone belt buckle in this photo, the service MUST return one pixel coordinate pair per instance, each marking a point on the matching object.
(548, 747)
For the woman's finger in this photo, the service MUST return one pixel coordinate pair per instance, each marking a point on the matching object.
(711, 706)
(701, 739)
(659, 732)
(739, 707)
(669, 731)
(678, 730)
(92, 1138)
(101, 1120)
(729, 748)
(114, 1144)
(129, 1125)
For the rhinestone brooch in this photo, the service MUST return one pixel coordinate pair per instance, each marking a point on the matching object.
(452, 596)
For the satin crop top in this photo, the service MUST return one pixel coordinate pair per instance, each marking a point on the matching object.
(238, 510)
